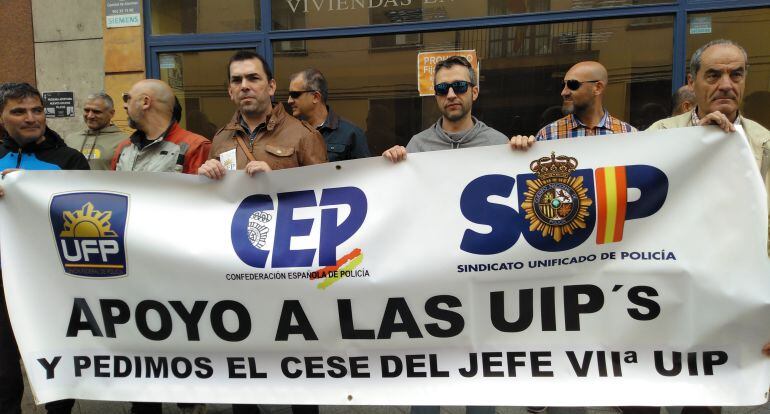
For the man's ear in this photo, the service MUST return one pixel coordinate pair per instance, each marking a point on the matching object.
(599, 87)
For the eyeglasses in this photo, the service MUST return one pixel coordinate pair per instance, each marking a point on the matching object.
(297, 94)
(574, 85)
(126, 97)
(460, 87)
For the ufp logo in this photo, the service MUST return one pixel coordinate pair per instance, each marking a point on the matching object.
(559, 205)
(89, 229)
(261, 226)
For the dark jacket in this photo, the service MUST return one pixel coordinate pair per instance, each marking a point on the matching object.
(344, 140)
(51, 154)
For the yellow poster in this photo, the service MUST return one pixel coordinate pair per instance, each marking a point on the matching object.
(426, 62)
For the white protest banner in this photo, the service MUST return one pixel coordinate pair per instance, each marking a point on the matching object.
(617, 270)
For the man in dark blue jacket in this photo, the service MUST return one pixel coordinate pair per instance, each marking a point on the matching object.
(27, 145)
(308, 93)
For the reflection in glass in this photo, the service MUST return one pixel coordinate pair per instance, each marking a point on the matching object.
(199, 81)
(311, 14)
(521, 71)
(741, 26)
(204, 16)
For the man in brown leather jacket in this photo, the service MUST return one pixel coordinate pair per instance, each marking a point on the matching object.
(261, 136)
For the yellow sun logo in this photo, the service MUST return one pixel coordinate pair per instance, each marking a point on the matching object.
(87, 222)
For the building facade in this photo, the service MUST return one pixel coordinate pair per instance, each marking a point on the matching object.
(368, 51)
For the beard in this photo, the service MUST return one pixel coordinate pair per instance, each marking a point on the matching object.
(572, 108)
(455, 116)
(132, 123)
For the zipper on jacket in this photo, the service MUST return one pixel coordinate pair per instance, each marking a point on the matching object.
(18, 161)
(139, 153)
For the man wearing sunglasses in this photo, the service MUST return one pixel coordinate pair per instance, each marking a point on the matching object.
(159, 143)
(261, 136)
(308, 93)
(582, 93)
(456, 89)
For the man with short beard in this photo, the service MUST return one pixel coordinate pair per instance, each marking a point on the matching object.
(456, 89)
(261, 136)
(159, 143)
(582, 94)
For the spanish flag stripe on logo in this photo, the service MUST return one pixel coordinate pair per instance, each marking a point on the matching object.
(611, 194)
(621, 193)
(601, 206)
(611, 207)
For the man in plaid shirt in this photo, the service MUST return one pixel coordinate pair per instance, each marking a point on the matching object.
(582, 92)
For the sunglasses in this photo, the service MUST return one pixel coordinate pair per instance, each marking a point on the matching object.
(126, 97)
(574, 85)
(460, 87)
(297, 94)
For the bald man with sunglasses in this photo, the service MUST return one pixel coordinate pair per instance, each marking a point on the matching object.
(582, 95)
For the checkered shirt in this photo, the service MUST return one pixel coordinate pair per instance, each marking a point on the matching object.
(571, 127)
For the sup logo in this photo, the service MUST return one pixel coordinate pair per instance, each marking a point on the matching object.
(559, 205)
(89, 229)
(262, 228)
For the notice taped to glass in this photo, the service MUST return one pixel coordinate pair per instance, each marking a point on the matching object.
(123, 13)
(59, 104)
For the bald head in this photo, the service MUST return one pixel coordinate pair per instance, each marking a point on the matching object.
(583, 89)
(588, 71)
(150, 106)
(160, 93)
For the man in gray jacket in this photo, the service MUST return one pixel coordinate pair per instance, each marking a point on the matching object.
(456, 89)
(101, 137)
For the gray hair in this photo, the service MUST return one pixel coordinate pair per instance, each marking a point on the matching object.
(314, 81)
(695, 62)
(103, 96)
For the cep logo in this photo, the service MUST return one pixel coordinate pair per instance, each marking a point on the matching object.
(278, 229)
(89, 229)
(559, 205)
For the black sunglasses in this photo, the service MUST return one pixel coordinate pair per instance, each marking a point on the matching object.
(459, 87)
(297, 94)
(574, 85)
(126, 97)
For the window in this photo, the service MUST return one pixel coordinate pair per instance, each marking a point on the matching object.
(521, 71)
(199, 81)
(312, 14)
(745, 27)
(204, 16)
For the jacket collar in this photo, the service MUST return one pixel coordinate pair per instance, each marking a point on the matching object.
(109, 129)
(138, 136)
(332, 119)
(274, 118)
(52, 140)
